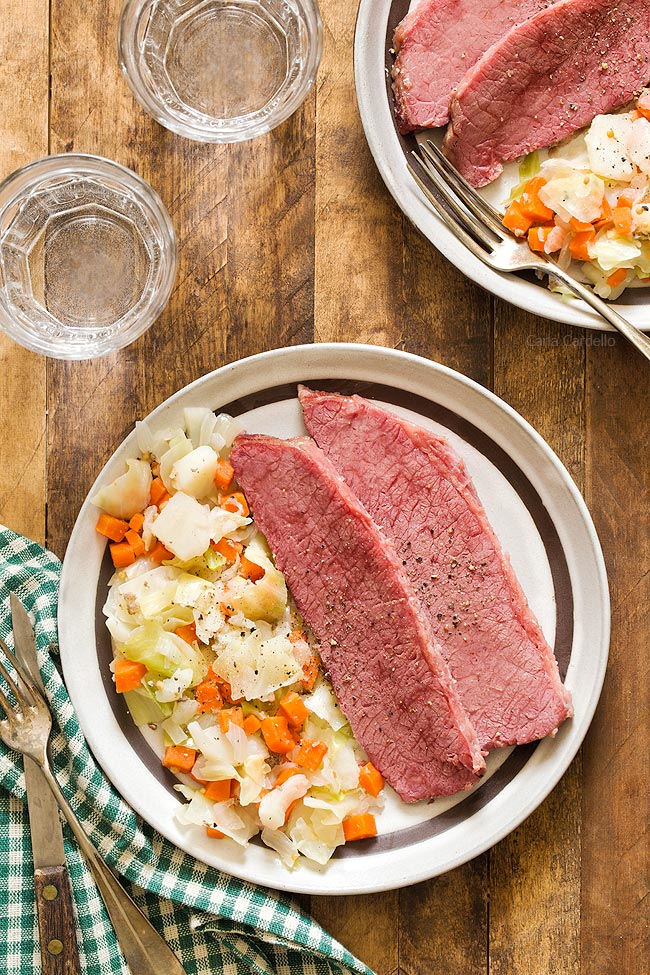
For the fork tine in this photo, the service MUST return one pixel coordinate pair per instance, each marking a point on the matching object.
(473, 200)
(23, 680)
(456, 228)
(474, 226)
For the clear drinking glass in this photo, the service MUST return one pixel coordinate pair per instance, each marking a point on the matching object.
(220, 70)
(87, 256)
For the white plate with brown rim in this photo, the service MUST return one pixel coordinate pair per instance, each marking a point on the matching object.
(542, 523)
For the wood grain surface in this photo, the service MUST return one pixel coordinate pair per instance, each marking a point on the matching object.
(294, 238)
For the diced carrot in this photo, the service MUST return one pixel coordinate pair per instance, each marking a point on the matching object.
(516, 220)
(622, 217)
(627, 198)
(110, 527)
(310, 670)
(236, 503)
(179, 758)
(215, 833)
(359, 827)
(605, 215)
(187, 633)
(252, 724)
(135, 541)
(579, 246)
(294, 710)
(579, 226)
(226, 691)
(310, 754)
(223, 475)
(617, 277)
(122, 555)
(537, 237)
(277, 735)
(371, 779)
(158, 491)
(531, 205)
(159, 553)
(128, 674)
(250, 570)
(229, 549)
(218, 791)
(137, 522)
(208, 694)
(229, 716)
(285, 774)
(645, 112)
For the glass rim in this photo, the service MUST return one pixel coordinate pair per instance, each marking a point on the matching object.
(229, 132)
(19, 184)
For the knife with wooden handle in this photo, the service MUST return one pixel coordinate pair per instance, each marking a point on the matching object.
(59, 950)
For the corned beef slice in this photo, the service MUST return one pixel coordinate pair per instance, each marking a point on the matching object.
(418, 491)
(436, 43)
(545, 79)
(390, 679)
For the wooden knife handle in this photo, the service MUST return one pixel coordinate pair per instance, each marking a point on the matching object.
(59, 952)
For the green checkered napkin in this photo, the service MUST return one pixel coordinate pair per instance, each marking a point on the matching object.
(214, 922)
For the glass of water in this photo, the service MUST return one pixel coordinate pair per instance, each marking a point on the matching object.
(87, 256)
(220, 70)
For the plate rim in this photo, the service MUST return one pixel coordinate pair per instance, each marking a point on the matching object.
(383, 141)
(356, 362)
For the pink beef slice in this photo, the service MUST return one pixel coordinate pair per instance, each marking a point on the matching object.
(545, 79)
(436, 43)
(418, 491)
(386, 669)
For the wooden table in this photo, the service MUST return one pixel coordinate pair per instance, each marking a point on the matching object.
(293, 238)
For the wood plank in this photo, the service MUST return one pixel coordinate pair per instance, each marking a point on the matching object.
(24, 80)
(535, 872)
(616, 808)
(378, 281)
(243, 284)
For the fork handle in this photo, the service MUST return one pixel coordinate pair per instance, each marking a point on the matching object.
(634, 335)
(146, 953)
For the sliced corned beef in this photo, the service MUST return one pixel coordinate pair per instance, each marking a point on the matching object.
(391, 680)
(545, 79)
(436, 43)
(418, 491)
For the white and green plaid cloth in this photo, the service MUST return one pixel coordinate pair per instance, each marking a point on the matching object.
(214, 922)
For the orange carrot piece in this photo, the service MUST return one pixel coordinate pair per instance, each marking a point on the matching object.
(285, 774)
(359, 827)
(187, 633)
(135, 541)
(230, 716)
(208, 694)
(159, 553)
(218, 791)
(579, 246)
(250, 570)
(616, 278)
(236, 503)
(294, 710)
(277, 735)
(579, 226)
(157, 491)
(110, 527)
(310, 670)
(179, 758)
(215, 833)
(371, 779)
(229, 549)
(137, 522)
(224, 475)
(531, 205)
(226, 691)
(122, 555)
(537, 237)
(252, 724)
(128, 674)
(310, 754)
(622, 217)
(516, 220)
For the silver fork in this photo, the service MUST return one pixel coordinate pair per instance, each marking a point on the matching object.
(480, 228)
(26, 728)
